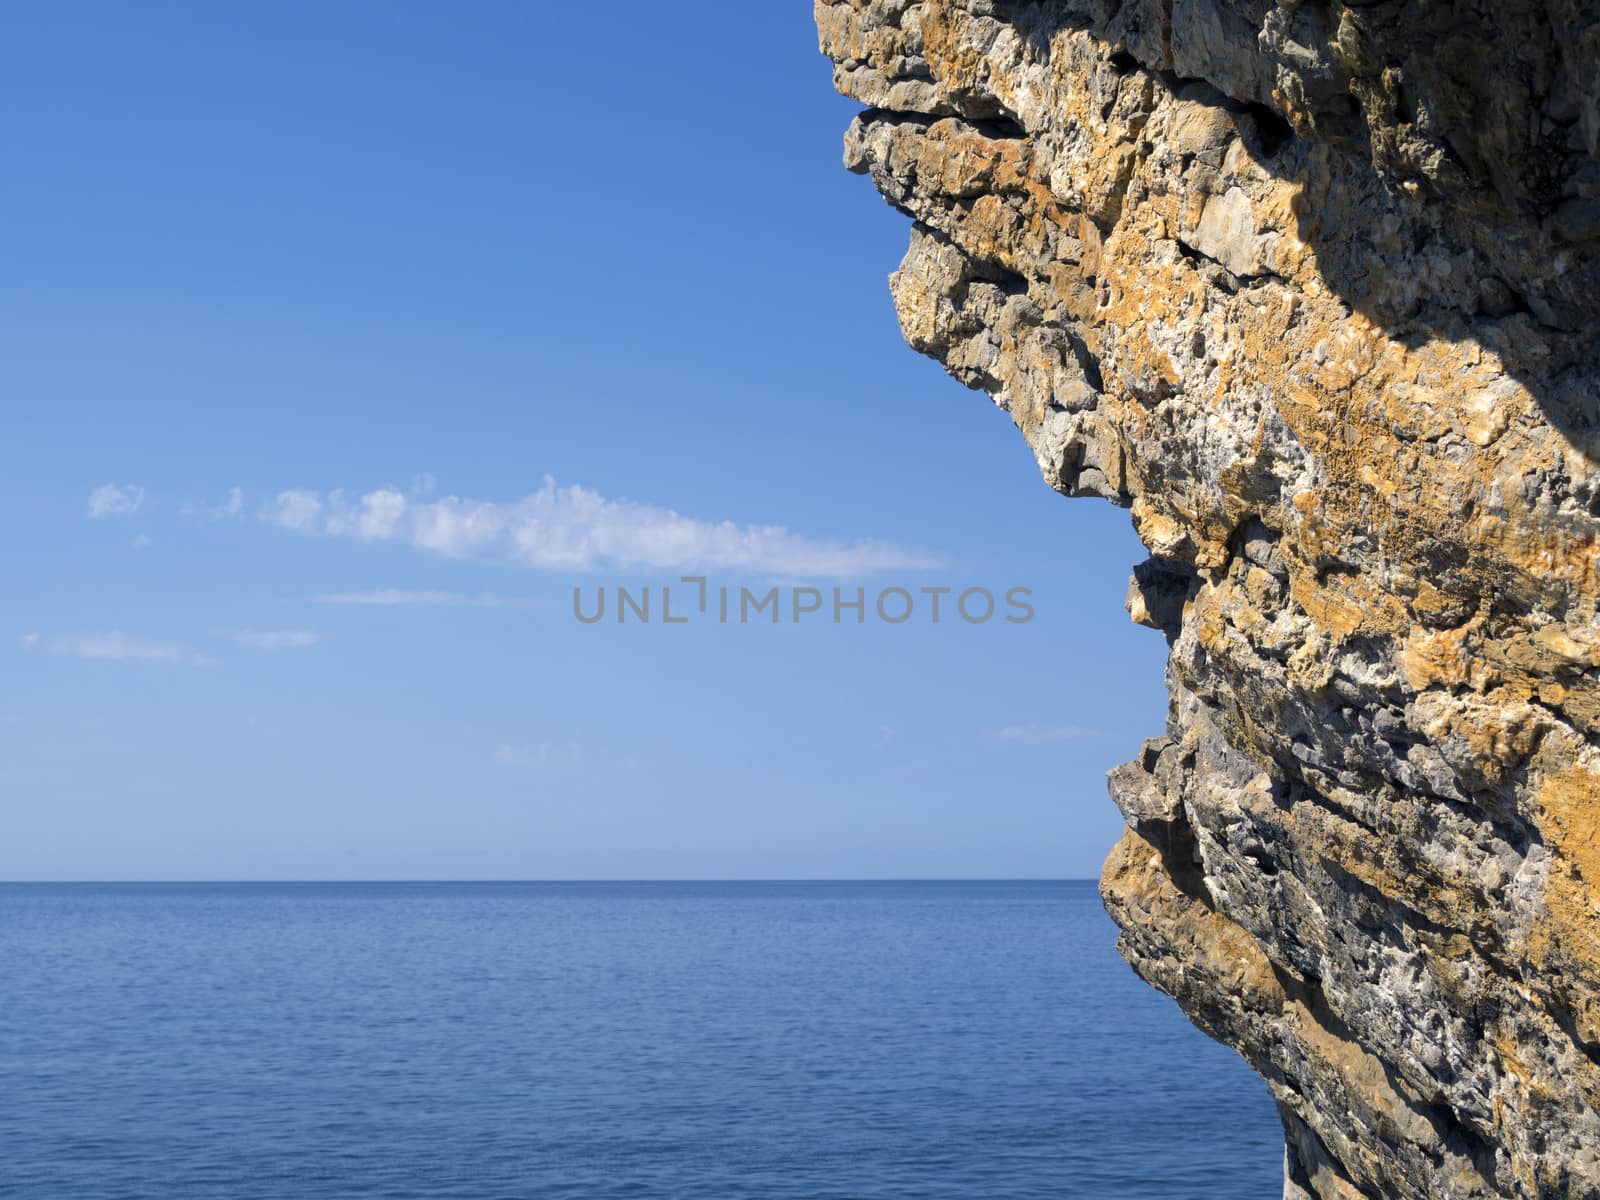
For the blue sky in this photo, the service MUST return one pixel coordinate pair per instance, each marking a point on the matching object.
(343, 341)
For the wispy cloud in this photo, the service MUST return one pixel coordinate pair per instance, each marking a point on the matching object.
(282, 639)
(574, 528)
(1046, 735)
(117, 646)
(232, 506)
(400, 597)
(116, 500)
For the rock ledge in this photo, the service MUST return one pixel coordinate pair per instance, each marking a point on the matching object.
(1313, 288)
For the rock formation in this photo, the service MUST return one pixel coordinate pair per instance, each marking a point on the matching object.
(1313, 288)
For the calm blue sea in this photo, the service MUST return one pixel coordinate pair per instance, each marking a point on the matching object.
(501, 1041)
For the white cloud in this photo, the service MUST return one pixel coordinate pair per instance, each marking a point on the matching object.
(284, 639)
(400, 597)
(120, 647)
(115, 500)
(233, 506)
(30, 640)
(141, 542)
(297, 509)
(381, 513)
(375, 517)
(574, 528)
(1046, 735)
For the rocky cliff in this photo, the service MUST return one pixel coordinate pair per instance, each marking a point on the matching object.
(1313, 288)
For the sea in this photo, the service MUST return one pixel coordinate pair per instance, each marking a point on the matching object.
(501, 1041)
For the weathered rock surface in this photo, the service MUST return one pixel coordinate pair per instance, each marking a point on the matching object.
(1314, 289)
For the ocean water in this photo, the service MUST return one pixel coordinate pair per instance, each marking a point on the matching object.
(501, 1041)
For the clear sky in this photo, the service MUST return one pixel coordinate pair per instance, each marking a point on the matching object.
(343, 340)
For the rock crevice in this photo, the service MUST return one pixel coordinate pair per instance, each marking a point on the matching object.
(1313, 289)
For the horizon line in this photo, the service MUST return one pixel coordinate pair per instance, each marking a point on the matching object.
(618, 880)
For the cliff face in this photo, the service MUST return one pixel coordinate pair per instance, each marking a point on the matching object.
(1314, 289)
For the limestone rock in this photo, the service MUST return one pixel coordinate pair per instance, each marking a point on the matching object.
(1313, 289)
